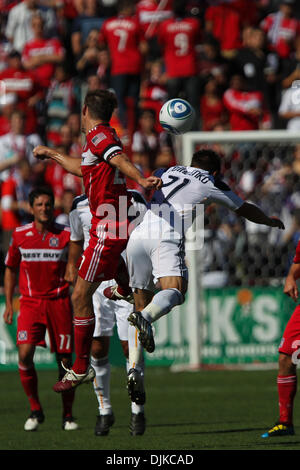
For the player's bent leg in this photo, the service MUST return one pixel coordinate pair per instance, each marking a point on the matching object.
(29, 383)
(101, 384)
(287, 388)
(84, 323)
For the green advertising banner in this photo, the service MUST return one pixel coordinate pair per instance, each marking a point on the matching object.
(239, 326)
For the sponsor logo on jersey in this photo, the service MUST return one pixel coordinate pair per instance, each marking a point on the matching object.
(29, 234)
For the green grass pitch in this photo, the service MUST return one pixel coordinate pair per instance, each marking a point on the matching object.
(205, 410)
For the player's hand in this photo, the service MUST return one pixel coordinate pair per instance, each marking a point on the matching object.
(42, 152)
(291, 289)
(71, 274)
(152, 182)
(8, 314)
(277, 223)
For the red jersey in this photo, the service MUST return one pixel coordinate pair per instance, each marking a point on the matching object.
(151, 13)
(226, 27)
(103, 183)
(240, 104)
(42, 259)
(122, 34)
(43, 73)
(179, 39)
(281, 32)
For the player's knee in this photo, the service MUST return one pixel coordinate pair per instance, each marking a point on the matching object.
(286, 365)
(80, 300)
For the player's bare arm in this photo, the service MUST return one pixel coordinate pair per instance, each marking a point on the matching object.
(71, 164)
(125, 166)
(256, 215)
(290, 286)
(10, 279)
(74, 253)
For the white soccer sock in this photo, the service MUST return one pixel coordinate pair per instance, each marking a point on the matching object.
(162, 303)
(101, 384)
(136, 358)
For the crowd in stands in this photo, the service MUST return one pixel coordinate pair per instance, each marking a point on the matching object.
(236, 61)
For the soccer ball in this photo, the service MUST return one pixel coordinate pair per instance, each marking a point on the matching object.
(177, 116)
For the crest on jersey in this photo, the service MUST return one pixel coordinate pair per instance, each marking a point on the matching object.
(22, 335)
(98, 138)
(54, 242)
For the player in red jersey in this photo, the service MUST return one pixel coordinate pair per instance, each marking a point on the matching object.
(122, 34)
(39, 252)
(288, 357)
(103, 168)
(178, 36)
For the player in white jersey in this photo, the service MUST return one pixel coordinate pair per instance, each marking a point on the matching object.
(156, 251)
(107, 314)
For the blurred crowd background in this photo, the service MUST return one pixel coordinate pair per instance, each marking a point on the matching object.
(236, 61)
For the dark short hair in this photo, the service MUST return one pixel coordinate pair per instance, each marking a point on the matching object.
(101, 104)
(207, 159)
(40, 191)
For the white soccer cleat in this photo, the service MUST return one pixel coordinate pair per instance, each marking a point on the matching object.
(69, 424)
(112, 293)
(32, 423)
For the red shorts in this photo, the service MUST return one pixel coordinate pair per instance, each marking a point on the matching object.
(290, 341)
(100, 259)
(55, 315)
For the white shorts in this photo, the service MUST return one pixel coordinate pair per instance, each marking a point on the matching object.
(150, 259)
(110, 312)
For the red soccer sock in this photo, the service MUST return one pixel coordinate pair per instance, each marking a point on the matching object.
(83, 336)
(287, 388)
(29, 382)
(67, 402)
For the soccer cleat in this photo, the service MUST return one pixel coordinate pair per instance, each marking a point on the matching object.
(135, 387)
(103, 423)
(137, 424)
(145, 330)
(71, 380)
(69, 424)
(112, 294)
(37, 417)
(280, 429)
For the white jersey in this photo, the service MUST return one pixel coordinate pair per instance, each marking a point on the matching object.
(185, 187)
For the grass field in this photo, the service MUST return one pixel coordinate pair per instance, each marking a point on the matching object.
(207, 410)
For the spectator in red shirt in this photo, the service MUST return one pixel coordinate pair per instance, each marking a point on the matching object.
(224, 23)
(179, 37)
(212, 108)
(281, 28)
(123, 37)
(22, 82)
(40, 55)
(246, 108)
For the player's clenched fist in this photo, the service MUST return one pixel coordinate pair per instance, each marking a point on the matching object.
(152, 182)
(41, 152)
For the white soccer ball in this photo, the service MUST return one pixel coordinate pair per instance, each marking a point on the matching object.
(177, 116)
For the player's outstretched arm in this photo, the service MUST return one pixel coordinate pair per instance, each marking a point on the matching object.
(10, 279)
(71, 164)
(290, 286)
(125, 166)
(256, 215)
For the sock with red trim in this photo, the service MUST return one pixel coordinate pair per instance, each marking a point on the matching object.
(287, 388)
(29, 382)
(83, 336)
